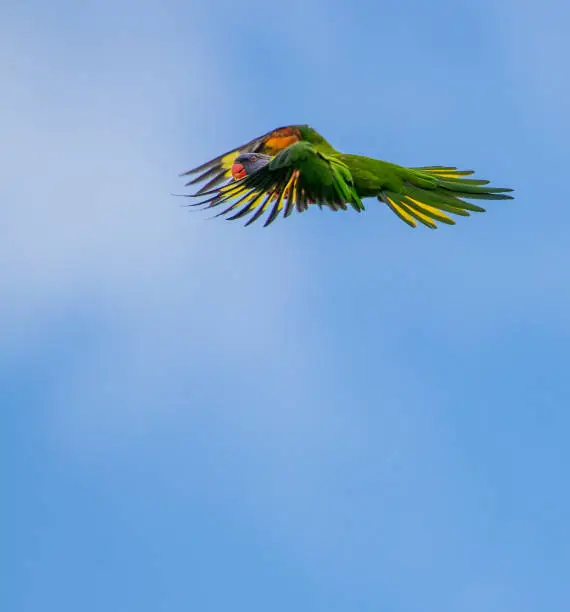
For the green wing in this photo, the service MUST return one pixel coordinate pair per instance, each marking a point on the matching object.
(428, 193)
(296, 177)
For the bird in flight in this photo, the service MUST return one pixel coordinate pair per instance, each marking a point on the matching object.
(293, 167)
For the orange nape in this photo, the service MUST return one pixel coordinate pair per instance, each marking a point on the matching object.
(281, 139)
(238, 171)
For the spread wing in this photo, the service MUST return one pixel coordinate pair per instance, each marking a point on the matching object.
(429, 192)
(218, 170)
(294, 178)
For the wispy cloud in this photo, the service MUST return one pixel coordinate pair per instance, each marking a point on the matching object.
(306, 381)
(91, 223)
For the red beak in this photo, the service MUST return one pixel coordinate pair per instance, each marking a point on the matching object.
(238, 171)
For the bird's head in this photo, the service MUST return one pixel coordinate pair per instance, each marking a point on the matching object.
(248, 163)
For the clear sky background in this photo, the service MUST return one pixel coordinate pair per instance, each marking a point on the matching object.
(336, 413)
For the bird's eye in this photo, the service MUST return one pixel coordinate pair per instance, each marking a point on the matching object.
(251, 158)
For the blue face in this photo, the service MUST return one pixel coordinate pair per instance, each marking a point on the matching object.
(252, 162)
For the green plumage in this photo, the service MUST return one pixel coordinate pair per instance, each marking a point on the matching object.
(310, 171)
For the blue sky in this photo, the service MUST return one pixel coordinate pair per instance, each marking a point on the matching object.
(334, 413)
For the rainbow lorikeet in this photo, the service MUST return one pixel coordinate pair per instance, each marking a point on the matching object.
(294, 166)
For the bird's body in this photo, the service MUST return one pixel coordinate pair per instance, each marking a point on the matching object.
(294, 166)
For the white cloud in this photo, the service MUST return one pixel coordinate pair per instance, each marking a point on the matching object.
(90, 223)
(172, 297)
(94, 150)
(92, 228)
